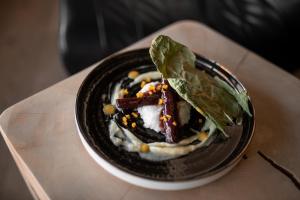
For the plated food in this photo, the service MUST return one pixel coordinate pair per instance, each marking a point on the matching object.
(179, 106)
(164, 117)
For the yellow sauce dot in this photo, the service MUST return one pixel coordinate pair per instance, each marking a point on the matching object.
(127, 116)
(143, 83)
(133, 125)
(133, 74)
(168, 117)
(144, 148)
(135, 115)
(124, 119)
(174, 123)
(202, 136)
(123, 92)
(152, 87)
(139, 95)
(160, 101)
(165, 86)
(164, 118)
(109, 109)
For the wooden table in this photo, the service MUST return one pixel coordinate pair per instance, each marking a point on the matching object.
(41, 134)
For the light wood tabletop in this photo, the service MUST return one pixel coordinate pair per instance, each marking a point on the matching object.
(41, 134)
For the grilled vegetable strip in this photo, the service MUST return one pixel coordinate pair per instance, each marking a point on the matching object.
(133, 102)
(168, 113)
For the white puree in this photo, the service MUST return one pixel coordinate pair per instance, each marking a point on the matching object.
(150, 115)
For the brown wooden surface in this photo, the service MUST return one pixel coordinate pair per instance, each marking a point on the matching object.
(41, 133)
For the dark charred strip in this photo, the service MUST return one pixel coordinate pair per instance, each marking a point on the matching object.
(170, 129)
(281, 169)
(133, 102)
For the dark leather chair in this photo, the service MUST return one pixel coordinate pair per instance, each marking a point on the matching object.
(93, 29)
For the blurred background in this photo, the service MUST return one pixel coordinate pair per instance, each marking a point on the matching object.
(30, 62)
(45, 41)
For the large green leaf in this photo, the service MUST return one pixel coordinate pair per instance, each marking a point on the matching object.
(241, 97)
(177, 64)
